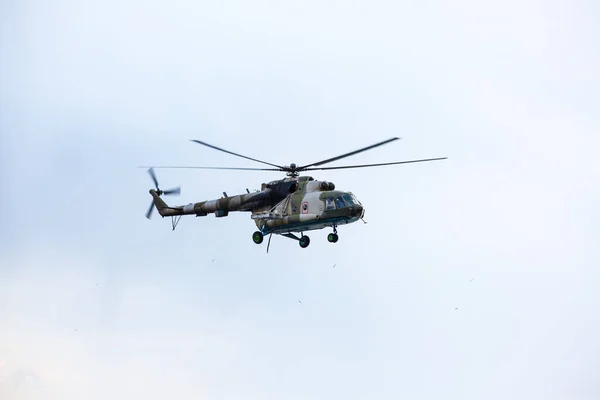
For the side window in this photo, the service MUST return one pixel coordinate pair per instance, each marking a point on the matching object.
(329, 204)
(339, 202)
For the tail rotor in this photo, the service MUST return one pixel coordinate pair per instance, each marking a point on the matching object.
(175, 191)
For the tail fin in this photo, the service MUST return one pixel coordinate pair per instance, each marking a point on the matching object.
(158, 202)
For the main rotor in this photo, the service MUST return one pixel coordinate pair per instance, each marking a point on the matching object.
(293, 170)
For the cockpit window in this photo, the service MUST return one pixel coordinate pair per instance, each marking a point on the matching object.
(346, 200)
(349, 200)
(329, 204)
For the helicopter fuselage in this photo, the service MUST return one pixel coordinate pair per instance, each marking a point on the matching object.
(310, 208)
(281, 207)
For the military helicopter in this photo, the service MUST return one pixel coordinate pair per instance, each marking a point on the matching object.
(294, 204)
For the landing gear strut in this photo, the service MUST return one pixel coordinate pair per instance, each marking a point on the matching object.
(304, 241)
(333, 237)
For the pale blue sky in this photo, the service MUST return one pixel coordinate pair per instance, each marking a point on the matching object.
(97, 302)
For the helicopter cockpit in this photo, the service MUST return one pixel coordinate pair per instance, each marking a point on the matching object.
(340, 201)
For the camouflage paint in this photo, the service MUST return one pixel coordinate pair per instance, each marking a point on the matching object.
(274, 209)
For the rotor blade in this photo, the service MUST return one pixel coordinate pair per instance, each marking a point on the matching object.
(228, 168)
(149, 213)
(235, 154)
(377, 165)
(176, 190)
(349, 154)
(151, 172)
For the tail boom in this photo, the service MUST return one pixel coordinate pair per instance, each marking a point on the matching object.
(220, 207)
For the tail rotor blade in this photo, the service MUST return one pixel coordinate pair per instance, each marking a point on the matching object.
(149, 213)
(151, 172)
(175, 191)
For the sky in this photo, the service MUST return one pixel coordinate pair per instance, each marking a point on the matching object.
(474, 277)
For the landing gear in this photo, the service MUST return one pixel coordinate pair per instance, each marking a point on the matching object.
(333, 237)
(257, 237)
(304, 241)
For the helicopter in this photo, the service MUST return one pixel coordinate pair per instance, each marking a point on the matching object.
(286, 207)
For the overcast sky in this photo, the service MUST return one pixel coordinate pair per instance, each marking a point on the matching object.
(475, 278)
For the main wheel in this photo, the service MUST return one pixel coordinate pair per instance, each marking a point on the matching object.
(332, 237)
(304, 241)
(257, 237)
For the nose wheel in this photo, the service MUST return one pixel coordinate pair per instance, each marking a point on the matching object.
(333, 237)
